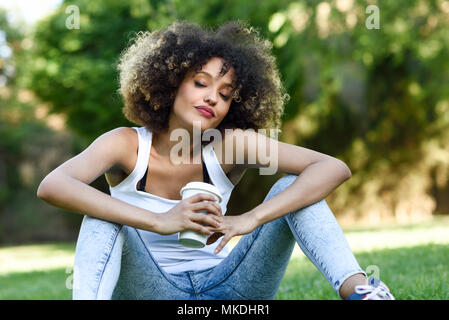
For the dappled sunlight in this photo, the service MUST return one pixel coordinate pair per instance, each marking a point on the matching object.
(30, 258)
(322, 19)
(370, 241)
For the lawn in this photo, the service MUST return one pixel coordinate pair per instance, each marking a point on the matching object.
(413, 260)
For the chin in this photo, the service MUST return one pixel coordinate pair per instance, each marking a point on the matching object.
(205, 123)
(205, 126)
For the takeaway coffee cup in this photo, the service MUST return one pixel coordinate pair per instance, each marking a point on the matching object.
(190, 238)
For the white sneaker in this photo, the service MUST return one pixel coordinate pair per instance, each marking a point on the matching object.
(374, 290)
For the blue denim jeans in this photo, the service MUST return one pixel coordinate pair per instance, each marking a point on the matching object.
(112, 262)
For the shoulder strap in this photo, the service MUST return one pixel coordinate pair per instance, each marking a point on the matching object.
(206, 177)
(142, 182)
(144, 148)
(221, 181)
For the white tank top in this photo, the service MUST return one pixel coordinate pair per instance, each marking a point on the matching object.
(169, 254)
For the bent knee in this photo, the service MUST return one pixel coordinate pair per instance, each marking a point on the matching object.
(287, 179)
(281, 184)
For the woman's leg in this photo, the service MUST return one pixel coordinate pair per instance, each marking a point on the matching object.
(255, 267)
(97, 259)
(321, 238)
(112, 262)
(141, 277)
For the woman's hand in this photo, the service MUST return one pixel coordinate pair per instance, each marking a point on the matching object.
(184, 216)
(230, 227)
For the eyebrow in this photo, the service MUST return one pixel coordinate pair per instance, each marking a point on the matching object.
(206, 73)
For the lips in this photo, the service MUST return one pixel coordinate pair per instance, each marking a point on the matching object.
(206, 111)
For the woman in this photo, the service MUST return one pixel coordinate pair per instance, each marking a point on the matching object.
(185, 78)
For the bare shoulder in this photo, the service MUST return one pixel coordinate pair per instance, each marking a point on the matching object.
(125, 142)
(121, 140)
(111, 150)
(225, 145)
(123, 133)
(257, 149)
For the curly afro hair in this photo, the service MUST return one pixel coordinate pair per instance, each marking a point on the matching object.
(153, 67)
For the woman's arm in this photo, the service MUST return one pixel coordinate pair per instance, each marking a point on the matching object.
(67, 186)
(318, 175)
(313, 184)
(63, 191)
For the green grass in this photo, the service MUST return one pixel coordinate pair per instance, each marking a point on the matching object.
(36, 271)
(413, 260)
(36, 285)
(420, 272)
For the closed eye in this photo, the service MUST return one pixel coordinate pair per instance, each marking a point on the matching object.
(226, 98)
(199, 84)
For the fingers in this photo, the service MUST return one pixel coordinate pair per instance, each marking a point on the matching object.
(199, 228)
(200, 197)
(206, 219)
(222, 244)
(203, 223)
(211, 207)
(203, 201)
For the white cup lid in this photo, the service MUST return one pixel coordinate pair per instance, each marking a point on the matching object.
(202, 186)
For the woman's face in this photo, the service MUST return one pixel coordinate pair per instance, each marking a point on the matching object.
(203, 96)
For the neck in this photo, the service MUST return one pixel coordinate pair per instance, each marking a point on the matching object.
(189, 144)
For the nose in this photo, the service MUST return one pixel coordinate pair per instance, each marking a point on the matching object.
(211, 99)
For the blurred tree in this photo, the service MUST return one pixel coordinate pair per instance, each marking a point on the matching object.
(28, 148)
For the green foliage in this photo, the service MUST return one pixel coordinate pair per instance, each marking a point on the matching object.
(28, 151)
(74, 69)
(372, 97)
(348, 81)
